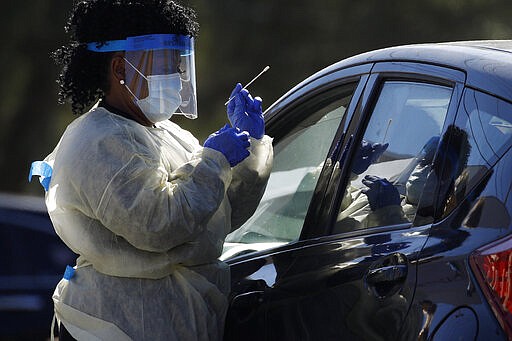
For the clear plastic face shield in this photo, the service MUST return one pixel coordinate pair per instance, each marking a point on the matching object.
(159, 73)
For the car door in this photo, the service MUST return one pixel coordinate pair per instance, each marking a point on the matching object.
(341, 274)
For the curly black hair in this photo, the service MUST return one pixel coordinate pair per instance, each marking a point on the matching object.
(84, 76)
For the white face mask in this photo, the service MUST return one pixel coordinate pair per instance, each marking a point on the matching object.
(164, 96)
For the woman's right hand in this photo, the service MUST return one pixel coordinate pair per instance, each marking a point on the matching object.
(231, 142)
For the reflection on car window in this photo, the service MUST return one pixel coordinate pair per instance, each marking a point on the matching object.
(298, 161)
(391, 162)
(487, 124)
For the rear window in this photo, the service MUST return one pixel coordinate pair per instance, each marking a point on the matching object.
(487, 120)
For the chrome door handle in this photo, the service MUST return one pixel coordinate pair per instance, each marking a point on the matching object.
(391, 273)
(387, 276)
(249, 299)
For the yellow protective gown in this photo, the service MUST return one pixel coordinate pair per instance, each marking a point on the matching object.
(147, 210)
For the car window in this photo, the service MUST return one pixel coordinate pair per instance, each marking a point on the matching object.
(483, 133)
(298, 161)
(390, 163)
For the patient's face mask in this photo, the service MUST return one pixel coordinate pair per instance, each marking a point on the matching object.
(159, 73)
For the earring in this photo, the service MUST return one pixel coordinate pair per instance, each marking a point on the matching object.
(121, 82)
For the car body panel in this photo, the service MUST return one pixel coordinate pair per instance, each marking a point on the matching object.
(322, 288)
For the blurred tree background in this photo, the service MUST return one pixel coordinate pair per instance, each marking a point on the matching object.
(237, 39)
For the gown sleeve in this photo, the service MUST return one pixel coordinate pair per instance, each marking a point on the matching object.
(249, 181)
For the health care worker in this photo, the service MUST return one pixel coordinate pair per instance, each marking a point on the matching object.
(142, 203)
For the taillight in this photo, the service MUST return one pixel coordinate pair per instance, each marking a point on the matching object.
(492, 266)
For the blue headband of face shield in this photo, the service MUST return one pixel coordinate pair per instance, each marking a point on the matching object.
(146, 42)
(157, 54)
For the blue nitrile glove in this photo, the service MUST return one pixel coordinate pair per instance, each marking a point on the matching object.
(366, 155)
(231, 142)
(245, 113)
(380, 192)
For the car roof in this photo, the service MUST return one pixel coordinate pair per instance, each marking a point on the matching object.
(486, 63)
(454, 54)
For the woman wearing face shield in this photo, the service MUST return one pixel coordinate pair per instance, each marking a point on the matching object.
(142, 203)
